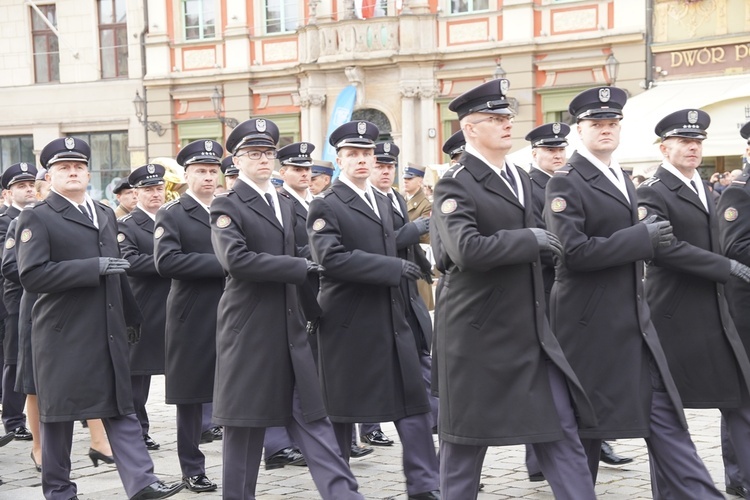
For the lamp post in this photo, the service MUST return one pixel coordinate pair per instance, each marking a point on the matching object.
(613, 67)
(139, 103)
(216, 99)
(499, 72)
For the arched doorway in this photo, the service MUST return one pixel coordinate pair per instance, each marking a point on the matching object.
(378, 118)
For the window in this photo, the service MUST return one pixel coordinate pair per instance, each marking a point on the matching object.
(109, 162)
(15, 149)
(200, 19)
(113, 38)
(46, 50)
(461, 6)
(281, 16)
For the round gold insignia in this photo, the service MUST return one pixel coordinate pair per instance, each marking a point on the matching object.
(159, 232)
(223, 221)
(318, 224)
(25, 235)
(642, 213)
(10, 243)
(449, 206)
(558, 205)
(731, 214)
(120, 237)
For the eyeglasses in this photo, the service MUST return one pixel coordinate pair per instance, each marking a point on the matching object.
(271, 154)
(495, 119)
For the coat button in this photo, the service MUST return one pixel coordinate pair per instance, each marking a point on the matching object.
(533, 264)
(289, 312)
(101, 244)
(291, 346)
(109, 306)
(638, 297)
(111, 337)
(537, 303)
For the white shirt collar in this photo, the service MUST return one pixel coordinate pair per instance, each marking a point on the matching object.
(272, 191)
(536, 167)
(153, 216)
(192, 195)
(368, 189)
(86, 201)
(696, 179)
(617, 178)
(512, 171)
(304, 201)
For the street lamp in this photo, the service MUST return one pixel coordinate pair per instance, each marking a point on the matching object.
(140, 112)
(216, 99)
(499, 72)
(613, 67)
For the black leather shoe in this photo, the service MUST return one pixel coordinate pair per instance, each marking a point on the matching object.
(207, 437)
(218, 433)
(738, 491)
(536, 477)
(376, 438)
(359, 451)
(22, 433)
(287, 456)
(6, 439)
(158, 489)
(199, 483)
(428, 495)
(608, 456)
(150, 443)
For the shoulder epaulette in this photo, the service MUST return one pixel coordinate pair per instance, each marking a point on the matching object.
(650, 181)
(171, 204)
(741, 180)
(125, 217)
(453, 171)
(282, 192)
(327, 192)
(223, 193)
(39, 204)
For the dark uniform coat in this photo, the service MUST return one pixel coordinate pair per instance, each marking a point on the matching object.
(79, 341)
(685, 292)
(598, 308)
(136, 238)
(183, 252)
(262, 350)
(12, 291)
(363, 338)
(493, 339)
(733, 213)
(539, 181)
(24, 368)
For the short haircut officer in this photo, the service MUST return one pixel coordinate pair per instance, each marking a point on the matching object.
(230, 171)
(320, 177)
(67, 252)
(591, 205)
(455, 146)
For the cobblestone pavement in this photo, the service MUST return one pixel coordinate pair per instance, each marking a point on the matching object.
(379, 473)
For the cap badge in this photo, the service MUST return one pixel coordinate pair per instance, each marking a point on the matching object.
(387, 147)
(223, 221)
(25, 235)
(24, 167)
(318, 224)
(558, 205)
(260, 125)
(303, 148)
(151, 169)
(504, 85)
(158, 232)
(731, 214)
(449, 206)
(556, 128)
(642, 213)
(208, 145)
(604, 94)
(692, 117)
(70, 143)
(361, 128)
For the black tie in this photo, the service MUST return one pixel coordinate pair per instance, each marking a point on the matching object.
(695, 188)
(511, 180)
(85, 210)
(367, 197)
(395, 203)
(269, 199)
(614, 173)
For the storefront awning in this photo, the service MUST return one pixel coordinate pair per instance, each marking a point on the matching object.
(726, 99)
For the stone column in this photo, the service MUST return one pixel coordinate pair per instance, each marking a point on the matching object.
(408, 125)
(316, 122)
(427, 120)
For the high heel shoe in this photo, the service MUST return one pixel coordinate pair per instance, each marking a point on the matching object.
(36, 465)
(95, 456)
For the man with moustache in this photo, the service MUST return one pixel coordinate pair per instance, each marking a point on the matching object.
(364, 338)
(67, 252)
(265, 373)
(136, 239)
(592, 207)
(183, 252)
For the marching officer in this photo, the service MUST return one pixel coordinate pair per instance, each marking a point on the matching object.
(491, 329)
(684, 284)
(733, 209)
(19, 180)
(455, 146)
(265, 371)
(351, 235)
(126, 198)
(136, 239)
(183, 253)
(230, 171)
(320, 177)
(67, 252)
(592, 207)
